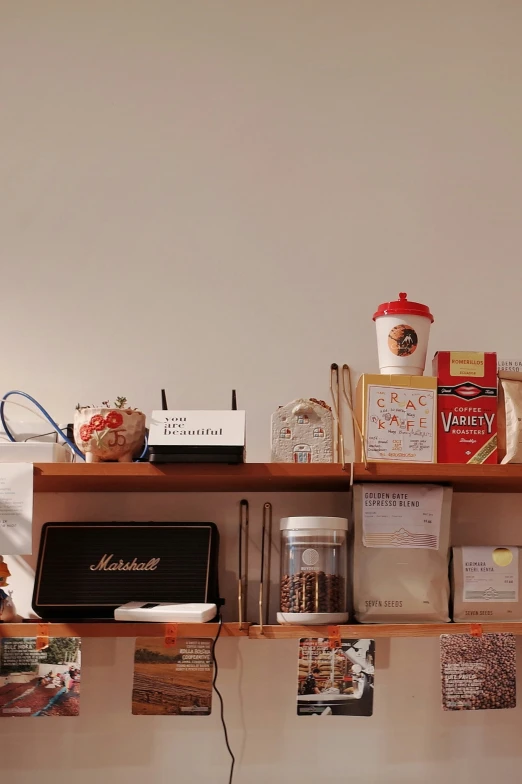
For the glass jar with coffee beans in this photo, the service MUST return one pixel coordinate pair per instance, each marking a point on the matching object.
(313, 570)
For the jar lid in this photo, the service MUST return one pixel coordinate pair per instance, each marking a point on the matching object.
(326, 523)
(403, 306)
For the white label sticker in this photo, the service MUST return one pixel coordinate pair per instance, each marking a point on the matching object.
(402, 516)
(490, 574)
(510, 365)
(16, 508)
(400, 424)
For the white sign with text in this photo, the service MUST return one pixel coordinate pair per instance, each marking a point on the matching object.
(197, 428)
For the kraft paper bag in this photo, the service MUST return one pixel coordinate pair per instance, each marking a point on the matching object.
(401, 553)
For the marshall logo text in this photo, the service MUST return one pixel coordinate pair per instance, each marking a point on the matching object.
(106, 564)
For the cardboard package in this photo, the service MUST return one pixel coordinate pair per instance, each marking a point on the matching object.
(397, 415)
(467, 406)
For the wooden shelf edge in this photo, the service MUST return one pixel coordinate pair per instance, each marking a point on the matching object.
(370, 631)
(189, 478)
(116, 629)
(265, 477)
(121, 629)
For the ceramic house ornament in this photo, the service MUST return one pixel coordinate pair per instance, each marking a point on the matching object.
(302, 432)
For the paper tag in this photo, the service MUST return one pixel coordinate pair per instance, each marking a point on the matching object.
(478, 672)
(16, 508)
(402, 516)
(490, 574)
(467, 363)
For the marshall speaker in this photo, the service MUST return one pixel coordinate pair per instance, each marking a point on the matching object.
(86, 570)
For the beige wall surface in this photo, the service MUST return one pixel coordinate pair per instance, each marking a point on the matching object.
(218, 193)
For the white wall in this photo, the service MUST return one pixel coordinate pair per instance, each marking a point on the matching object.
(209, 194)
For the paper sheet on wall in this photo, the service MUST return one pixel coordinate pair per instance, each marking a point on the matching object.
(478, 673)
(37, 682)
(335, 680)
(173, 680)
(16, 508)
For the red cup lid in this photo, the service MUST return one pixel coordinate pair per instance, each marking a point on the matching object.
(403, 306)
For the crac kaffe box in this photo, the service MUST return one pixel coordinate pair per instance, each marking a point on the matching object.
(467, 406)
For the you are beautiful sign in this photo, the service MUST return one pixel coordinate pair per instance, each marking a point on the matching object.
(197, 428)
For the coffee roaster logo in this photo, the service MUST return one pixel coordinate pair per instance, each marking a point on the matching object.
(310, 557)
(402, 340)
(106, 564)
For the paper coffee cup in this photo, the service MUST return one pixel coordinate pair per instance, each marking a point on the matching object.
(403, 331)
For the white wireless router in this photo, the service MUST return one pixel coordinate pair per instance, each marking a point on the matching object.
(163, 612)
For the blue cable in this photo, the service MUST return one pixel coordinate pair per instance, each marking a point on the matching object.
(42, 410)
(51, 421)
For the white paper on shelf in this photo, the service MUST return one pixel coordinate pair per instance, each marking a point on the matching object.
(16, 508)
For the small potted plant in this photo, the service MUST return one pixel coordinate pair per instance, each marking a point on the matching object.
(108, 432)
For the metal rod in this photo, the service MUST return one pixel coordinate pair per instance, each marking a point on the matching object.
(242, 588)
(336, 405)
(267, 512)
(262, 575)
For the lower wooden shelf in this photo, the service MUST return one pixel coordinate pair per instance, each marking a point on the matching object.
(360, 630)
(120, 629)
(357, 630)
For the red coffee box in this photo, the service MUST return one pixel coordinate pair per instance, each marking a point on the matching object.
(466, 406)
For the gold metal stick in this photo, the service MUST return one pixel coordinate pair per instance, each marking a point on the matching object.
(334, 390)
(267, 514)
(242, 585)
(346, 379)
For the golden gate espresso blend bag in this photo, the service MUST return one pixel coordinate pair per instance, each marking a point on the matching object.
(401, 553)
(486, 584)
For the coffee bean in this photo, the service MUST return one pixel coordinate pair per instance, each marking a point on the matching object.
(312, 592)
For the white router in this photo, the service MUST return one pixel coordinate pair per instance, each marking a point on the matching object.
(164, 612)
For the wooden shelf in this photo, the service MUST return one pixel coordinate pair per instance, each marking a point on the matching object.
(190, 478)
(463, 478)
(264, 477)
(360, 630)
(121, 629)
(356, 630)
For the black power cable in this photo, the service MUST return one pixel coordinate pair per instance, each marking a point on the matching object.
(223, 722)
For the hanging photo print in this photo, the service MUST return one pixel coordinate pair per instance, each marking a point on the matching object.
(172, 679)
(478, 673)
(40, 682)
(335, 681)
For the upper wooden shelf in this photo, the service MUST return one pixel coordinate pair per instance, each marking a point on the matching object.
(264, 477)
(187, 477)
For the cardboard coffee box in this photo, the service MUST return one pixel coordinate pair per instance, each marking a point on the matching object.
(397, 415)
(467, 406)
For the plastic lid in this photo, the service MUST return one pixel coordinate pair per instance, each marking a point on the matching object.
(403, 306)
(325, 523)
